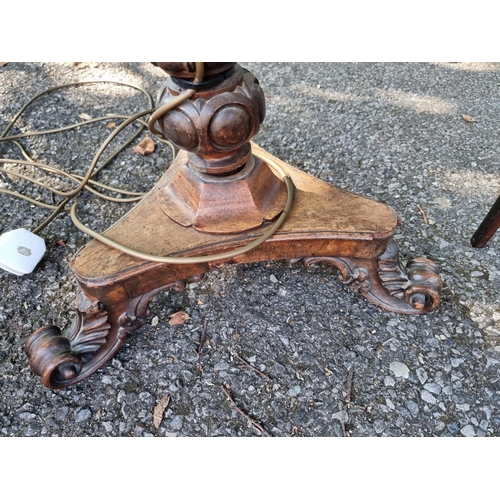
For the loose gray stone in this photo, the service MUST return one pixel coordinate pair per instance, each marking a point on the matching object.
(422, 375)
(487, 411)
(285, 340)
(176, 423)
(433, 342)
(399, 369)
(468, 431)
(341, 415)
(433, 387)
(27, 416)
(34, 429)
(427, 397)
(83, 415)
(379, 426)
(108, 426)
(294, 391)
(413, 407)
(455, 362)
(439, 426)
(61, 413)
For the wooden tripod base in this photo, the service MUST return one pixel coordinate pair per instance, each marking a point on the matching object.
(326, 224)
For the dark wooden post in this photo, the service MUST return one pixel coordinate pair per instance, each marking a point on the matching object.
(488, 227)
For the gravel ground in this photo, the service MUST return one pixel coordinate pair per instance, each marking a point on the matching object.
(325, 361)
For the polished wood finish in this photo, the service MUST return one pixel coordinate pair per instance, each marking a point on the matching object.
(216, 124)
(221, 188)
(326, 224)
(220, 194)
(225, 204)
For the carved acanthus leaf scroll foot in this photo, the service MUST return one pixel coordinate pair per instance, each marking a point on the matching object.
(58, 357)
(64, 358)
(386, 283)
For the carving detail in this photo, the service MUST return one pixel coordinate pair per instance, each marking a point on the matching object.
(135, 315)
(384, 281)
(58, 357)
(215, 127)
(425, 285)
(63, 358)
(355, 278)
(138, 308)
(419, 286)
(87, 332)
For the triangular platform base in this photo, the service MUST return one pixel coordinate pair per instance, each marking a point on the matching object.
(326, 224)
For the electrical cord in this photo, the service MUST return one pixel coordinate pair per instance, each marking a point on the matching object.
(176, 101)
(205, 258)
(92, 171)
(86, 181)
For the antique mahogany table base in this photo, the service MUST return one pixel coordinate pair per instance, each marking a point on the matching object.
(325, 224)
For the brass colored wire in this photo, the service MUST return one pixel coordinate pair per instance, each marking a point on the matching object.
(204, 258)
(84, 181)
(65, 85)
(77, 178)
(63, 129)
(176, 101)
(71, 194)
(91, 171)
(58, 171)
(28, 199)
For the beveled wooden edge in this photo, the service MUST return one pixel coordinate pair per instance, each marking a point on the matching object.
(344, 219)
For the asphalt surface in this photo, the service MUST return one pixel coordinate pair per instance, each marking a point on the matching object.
(319, 360)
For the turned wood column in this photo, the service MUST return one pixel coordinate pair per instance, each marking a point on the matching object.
(222, 188)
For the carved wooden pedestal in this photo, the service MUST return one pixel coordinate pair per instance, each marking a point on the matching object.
(220, 195)
(326, 224)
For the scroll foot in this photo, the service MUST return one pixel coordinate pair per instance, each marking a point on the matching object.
(58, 357)
(386, 283)
(64, 358)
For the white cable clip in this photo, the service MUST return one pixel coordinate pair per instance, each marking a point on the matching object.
(20, 251)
